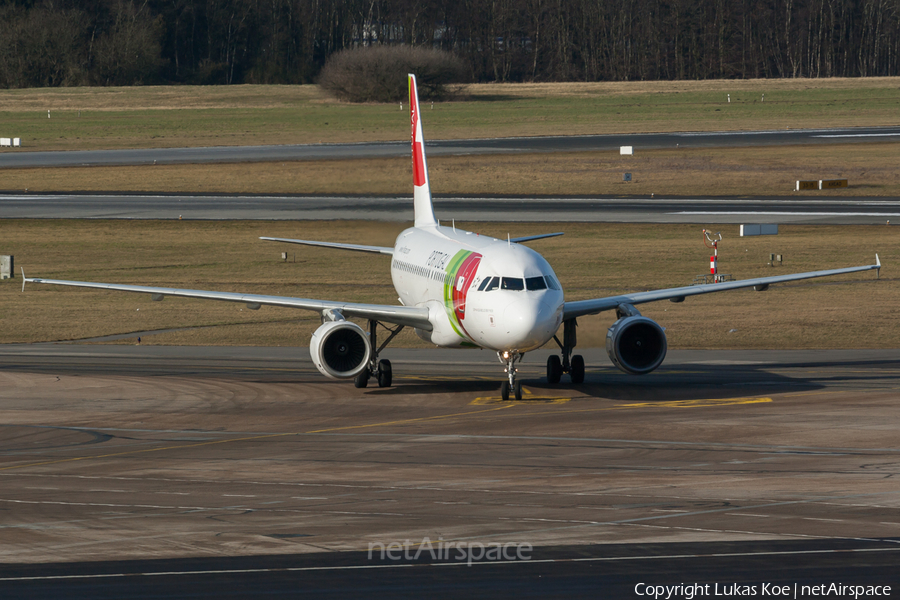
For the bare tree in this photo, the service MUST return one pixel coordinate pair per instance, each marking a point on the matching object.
(123, 42)
(129, 52)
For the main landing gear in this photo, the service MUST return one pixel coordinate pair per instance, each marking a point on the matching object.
(513, 384)
(573, 365)
(379, 369)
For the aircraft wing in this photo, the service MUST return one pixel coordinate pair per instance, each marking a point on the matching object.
(400, 315)
(357, 247)
(580, 308)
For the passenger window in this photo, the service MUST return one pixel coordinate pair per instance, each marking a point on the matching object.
(535, 283)
(512, 283)
(493, 285)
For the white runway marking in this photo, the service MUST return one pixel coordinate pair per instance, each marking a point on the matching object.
(855, 135)
(785, 213)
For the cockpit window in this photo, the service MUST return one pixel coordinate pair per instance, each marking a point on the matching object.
(512, 283)
(535, 283)
(541, 282)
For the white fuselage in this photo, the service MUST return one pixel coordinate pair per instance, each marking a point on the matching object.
(480, 291)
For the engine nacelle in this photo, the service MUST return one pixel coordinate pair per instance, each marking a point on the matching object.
(636, 345)
(340, 349)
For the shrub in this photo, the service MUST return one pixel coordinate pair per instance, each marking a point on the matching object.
(378, 73)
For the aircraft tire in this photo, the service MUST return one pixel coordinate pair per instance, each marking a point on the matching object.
(518, 390)
(554, 369)
(504, 390)
(385, 375)
(577, 369)
(361, 380)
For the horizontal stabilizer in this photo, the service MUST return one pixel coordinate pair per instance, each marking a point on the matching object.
(529, 238)
(356, 247)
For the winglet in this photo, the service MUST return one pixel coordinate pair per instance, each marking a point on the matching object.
(877, 261)
(424, 212)
(23, 279)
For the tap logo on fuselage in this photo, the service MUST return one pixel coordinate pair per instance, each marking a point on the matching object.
(461, 274)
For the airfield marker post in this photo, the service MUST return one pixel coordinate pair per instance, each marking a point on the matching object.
(713, 242)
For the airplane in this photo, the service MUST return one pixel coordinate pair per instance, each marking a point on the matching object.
(460, 289)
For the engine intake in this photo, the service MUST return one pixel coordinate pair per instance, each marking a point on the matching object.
(636, 345)
(340, 349)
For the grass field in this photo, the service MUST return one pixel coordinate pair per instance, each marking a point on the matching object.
(168, 116)
(90, 118)
(872, 169)
(591, 260)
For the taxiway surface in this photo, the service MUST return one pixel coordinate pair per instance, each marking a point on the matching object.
(579, 143)
(244, 465)
(831, 211)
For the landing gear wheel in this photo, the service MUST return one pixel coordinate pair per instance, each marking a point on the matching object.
(504, 390)
(576, 371)
(384, 373)
(554, 369)
(362, 380)
(518, 390)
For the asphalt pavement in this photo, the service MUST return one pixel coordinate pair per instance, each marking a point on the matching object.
(22, 158)
(856, 211)
(178, 472)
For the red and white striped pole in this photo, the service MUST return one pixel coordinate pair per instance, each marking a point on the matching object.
(713, 243)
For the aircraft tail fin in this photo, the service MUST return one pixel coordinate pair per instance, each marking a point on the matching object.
(422, 205)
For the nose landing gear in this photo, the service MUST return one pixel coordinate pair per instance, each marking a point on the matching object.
(513, 384)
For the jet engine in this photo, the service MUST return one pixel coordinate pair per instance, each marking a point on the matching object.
(340, 349)
(636, 344)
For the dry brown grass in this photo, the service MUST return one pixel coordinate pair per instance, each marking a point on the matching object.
(631, 88)
(873, 170)
(591, 260)
(163, 97)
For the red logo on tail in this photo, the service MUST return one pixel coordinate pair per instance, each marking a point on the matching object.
(418, 152)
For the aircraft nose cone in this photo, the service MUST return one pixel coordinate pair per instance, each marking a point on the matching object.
(528, 324)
